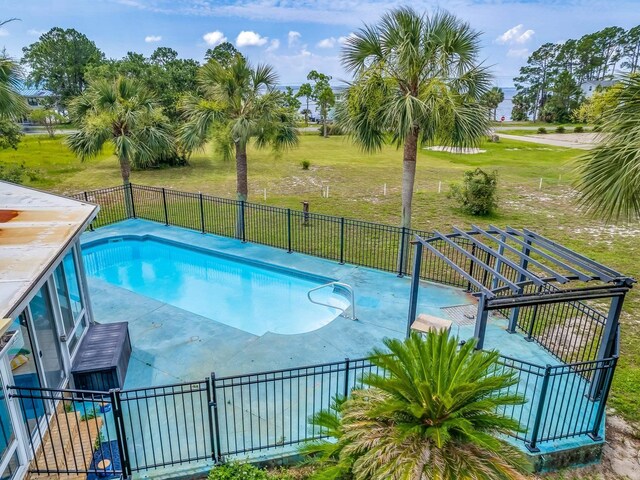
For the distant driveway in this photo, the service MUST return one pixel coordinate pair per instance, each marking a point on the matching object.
(583, 141)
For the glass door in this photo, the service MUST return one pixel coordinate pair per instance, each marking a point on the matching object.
(47, 339)
(9, 461)
(72, 309)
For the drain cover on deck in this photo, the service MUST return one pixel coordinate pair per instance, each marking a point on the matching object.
(462, 314)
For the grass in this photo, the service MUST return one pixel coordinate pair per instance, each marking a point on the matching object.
(356, 181)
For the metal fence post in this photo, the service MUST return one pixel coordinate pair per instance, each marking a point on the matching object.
(164, 204)
(86, 199)
(597, 422)
(342, 240)
(242, 220)
(532, 445)
(121, 435)
(403, 236)
(473, 254)
(201, 213)
(216, 454)
(210, 418)
(289, 230)
(133, 205)
(346, 377)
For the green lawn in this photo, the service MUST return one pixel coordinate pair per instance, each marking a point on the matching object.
(356, 182)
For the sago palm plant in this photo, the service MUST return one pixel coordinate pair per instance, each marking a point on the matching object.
(417, 81)
(434, 414)
(609, 174)
(237, 103)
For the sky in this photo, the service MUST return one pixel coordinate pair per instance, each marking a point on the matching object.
(296, 36)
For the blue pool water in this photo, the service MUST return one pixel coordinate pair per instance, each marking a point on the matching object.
(250, 296)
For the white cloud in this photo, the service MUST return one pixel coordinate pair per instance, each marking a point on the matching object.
(274, 45)
(518, 52)
(152, 38)
(247, 38)
(35, 33)
(293, 38)
(214, 38)
(4, 32)
(327, 43)
(343, 39)
(516, 34)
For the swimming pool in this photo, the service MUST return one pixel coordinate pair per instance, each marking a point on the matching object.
(248, 295)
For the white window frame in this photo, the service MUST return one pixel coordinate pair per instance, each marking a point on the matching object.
(19, 443)
(82, 316)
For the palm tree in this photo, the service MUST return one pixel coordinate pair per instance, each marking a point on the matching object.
(417, 81)
(237, 103)
(492, 100)
(609, 178)
(12, 105)
(124, 113)
(435, 414)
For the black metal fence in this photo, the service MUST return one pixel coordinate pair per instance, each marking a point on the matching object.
(210, 421)
(571, 331)
(265, 411)
(270, 411)
(344, 240)
(71, 431)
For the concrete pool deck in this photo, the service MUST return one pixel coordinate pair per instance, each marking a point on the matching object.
(173, 345)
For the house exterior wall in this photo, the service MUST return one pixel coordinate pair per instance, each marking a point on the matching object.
(46, 329)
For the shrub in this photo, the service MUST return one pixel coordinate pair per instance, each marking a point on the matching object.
(17, 173)
(305, 164)
(560, 129)
(477, 194)
(10, 134)
(237, 471)
(542, 130)
(578, 130)
(332, 129)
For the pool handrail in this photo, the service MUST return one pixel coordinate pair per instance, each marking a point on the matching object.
(348, 288)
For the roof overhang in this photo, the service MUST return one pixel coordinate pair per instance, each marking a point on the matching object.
(36, 229)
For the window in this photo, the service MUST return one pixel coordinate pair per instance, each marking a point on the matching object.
(11, 468)
(70, 300)
(46, 338)
(6, 430)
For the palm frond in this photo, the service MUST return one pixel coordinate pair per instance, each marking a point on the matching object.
(12, 105)
(609, 174)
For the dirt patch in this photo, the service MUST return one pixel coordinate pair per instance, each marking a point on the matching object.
(620, 458)
(456, 150)
(566, 338)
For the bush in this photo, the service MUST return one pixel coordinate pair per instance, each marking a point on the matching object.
(578, 130)
(17, 173)
(560, 129)
(332, 129)
(477, 194)
(237, 471)
(305, 164)
(10, 134)
(542, 130)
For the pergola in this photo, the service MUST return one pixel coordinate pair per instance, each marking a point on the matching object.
(509, 269)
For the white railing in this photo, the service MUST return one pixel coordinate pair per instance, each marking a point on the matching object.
(344, 286)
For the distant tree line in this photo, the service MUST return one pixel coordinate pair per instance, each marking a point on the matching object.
(549, 85)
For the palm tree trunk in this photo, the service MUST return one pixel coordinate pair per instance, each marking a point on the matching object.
(408, 180)
(125, 171)
(242, 188)
(325, 134)
(306, 114)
